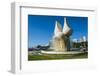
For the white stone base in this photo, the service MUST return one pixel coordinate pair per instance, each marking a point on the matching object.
(53, 52)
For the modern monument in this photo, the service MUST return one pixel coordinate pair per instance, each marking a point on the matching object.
(61, 38)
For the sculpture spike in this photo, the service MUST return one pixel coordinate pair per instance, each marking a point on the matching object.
(66, 28)
(57, 28)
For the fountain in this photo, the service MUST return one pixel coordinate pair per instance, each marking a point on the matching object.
(61, 40)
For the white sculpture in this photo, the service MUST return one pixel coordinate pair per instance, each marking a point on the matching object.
(61, 37)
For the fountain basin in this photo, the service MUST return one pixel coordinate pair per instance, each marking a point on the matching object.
(67, 52)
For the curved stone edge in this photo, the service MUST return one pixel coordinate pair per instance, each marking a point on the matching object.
(53, 52)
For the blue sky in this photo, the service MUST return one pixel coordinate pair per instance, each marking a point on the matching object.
(41, 28)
